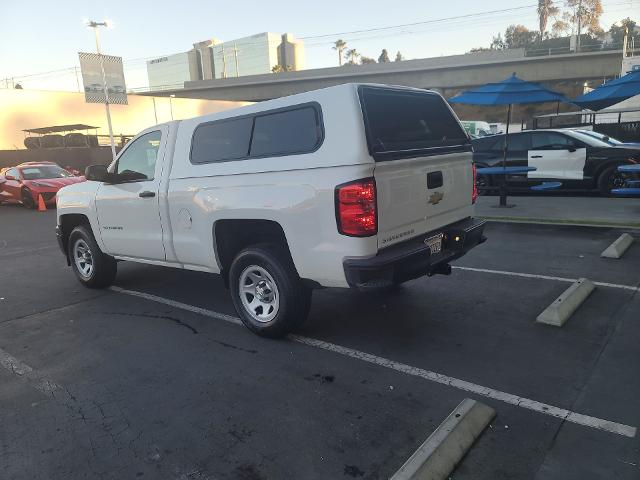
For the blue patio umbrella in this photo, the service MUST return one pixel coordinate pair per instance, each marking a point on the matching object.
(512, 90)
(611, 92)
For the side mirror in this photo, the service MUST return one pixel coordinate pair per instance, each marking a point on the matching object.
(572, 149)
(97, 173)
(9, 177)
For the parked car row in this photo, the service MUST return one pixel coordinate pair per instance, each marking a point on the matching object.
(26, 182)
(580, 159)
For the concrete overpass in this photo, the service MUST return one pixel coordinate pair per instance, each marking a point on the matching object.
(446, 74)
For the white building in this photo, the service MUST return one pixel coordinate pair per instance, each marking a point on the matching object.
(169, 72)
(254, 55)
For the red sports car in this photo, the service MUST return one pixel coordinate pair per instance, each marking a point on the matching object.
(27, 181)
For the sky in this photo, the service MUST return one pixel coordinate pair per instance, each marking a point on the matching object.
(45, 36)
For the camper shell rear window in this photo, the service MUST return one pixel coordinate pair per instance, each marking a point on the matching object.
(401, 123)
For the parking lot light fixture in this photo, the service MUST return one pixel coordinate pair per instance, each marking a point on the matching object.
(96, 25)
(171, 97)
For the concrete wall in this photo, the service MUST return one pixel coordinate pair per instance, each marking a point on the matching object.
(78, 158)
(449, 75)
(26, 109)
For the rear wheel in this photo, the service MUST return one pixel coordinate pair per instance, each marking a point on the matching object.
(93, 268)
(609, 179)
(267, 292)
(27, 199)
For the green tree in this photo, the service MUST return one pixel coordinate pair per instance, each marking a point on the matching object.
(546, 10)
(585, 12)
(561, 27)
(366, 60)
(497, 43)
(618, 32)
(281, 68)
(384, 56)
(352, 56)
(518, 36)
(399, 57)
(339, 46)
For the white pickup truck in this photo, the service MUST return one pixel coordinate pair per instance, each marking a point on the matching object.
(357, 185)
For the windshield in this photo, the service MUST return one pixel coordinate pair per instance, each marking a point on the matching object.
(590, 140)
(42, 172)
(601, 136)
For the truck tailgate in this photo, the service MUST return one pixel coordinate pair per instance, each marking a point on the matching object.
(422, 194)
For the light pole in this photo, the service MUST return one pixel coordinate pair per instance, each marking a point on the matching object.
(96, 26)
(171, 97)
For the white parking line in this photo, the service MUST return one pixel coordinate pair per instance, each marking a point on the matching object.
(568, 415)
(546, 277)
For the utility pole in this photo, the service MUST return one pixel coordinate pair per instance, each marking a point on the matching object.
(75, 70)
(224, 63)
(235, 52)
(579, 26)
(155, 113)
(95, 26)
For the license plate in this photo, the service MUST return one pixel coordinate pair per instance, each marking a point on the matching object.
(434, 243)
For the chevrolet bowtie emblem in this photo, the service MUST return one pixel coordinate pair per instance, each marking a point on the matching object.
(436, 197)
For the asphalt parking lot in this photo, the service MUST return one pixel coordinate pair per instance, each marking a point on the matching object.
(156, 380)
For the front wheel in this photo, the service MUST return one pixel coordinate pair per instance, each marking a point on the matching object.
(267, 292)
(27, 199)
(611, 178)
(93, 268)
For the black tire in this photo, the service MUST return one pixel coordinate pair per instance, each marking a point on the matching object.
(484, 185)
(293, 297)
(27, 200)
(104, 267)
(610, 178)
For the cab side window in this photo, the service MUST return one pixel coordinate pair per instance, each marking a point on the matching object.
(138, 161)
(551, 141)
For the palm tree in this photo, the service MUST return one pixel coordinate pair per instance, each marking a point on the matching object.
(546, 9)
(352, 56)
(339, 45)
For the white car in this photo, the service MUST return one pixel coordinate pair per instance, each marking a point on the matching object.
(357, 185)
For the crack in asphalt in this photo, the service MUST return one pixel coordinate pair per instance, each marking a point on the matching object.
(53, 309)
(163, 317)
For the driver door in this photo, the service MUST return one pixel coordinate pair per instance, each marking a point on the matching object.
(556, 156)
(128, 211)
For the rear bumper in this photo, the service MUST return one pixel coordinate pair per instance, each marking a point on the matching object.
(413, 259)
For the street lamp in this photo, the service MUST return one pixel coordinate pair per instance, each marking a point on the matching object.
(96, 26)
(171, 96)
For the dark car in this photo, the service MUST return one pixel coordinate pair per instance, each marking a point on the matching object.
(578, 160)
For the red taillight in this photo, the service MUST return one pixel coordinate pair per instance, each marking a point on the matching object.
(474, 191)
(356, 208)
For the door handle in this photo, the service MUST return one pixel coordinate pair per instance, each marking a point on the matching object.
(536, 156)
(147, 194)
